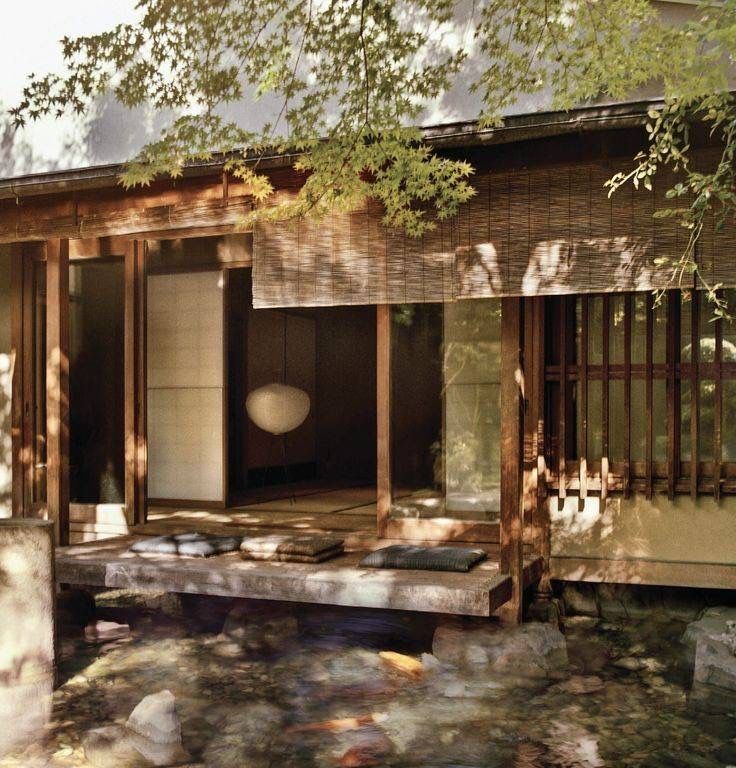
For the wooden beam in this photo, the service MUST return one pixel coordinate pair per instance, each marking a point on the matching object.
(694, 393)
(649, 392)
(57, 386)
(562, 440)
(718, 411)
(512, 398)
(135, 383)
(199, 214)
(604, 396)
(383, 417)
(583, 395)
(628, 311)
(19, 449)
(673, 395)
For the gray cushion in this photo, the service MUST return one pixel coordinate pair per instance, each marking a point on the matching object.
(188, 545)
(424, 558)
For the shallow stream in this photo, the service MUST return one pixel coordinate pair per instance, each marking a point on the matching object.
(310, 690)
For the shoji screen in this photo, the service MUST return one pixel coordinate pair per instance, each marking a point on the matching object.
(185, 386)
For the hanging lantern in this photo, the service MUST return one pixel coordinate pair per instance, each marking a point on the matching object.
(277, 408)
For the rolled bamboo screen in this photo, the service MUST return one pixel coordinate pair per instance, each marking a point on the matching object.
(535, 232)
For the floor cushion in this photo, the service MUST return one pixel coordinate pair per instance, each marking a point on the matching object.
(417, 558)
(297, 549)
(188, 545)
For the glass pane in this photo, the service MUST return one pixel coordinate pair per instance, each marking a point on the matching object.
(96, 402)
(639, 329)
(638, 420)
(595, 332)
(595, 424)
(616, 416)
(616, 329)
(659, 335)
(659, 420)
(729, 421)
(707, 330)
(445, 411)
(684, 420)
(706, 423)
(685, 326)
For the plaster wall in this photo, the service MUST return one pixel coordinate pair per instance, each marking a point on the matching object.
(636, 528)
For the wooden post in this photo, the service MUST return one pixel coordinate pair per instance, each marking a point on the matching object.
(135, 383)
(57, 386)
(17, 430)
(383, 416)
(512, 399)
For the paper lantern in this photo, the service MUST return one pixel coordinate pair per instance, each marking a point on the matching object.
(277, 408)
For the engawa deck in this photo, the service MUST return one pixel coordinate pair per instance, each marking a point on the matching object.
(341, 581)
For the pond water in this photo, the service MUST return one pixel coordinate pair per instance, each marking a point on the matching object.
(308, 687)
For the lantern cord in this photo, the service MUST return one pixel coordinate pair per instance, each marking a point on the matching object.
(292, 498)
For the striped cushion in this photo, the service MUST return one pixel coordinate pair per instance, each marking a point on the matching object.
(424, 558)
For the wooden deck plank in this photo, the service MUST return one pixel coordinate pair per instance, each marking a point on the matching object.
(337, 582)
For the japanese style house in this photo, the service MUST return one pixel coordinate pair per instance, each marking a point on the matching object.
(510, 379)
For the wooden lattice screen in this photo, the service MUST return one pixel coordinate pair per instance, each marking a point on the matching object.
(537, 232)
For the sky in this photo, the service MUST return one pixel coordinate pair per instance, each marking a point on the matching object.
(29, 43)
(23, 52)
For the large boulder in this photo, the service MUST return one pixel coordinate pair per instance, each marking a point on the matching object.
(530, 650)
(712, 644)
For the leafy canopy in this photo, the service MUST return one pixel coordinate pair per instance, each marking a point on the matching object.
(351, 80)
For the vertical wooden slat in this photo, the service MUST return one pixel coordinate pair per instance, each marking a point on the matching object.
(535, 380)
(141, 413)
(28, 364)
(694, 392)
(604, 394)
(134, 383)
(649, 389)
(383, 416)
(718, 411)
(562, 448)
(512, 394)
(628, 309)
(57, 386)
(583, 395)
(673, 398)
(20, 454)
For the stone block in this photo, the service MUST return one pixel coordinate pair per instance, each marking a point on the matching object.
(27, 637)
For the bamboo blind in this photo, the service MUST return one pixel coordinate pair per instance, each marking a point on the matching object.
(532, 232)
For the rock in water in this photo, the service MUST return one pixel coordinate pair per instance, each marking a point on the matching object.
(105, 631)
(155, 719)
(110, 748)
(260, 631)
(530, 650)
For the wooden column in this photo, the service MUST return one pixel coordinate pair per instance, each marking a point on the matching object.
(383, 416)
(512, 400)
(20, 450)
(57, 386)
(136, 455)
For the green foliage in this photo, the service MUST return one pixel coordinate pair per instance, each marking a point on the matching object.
(353, 77)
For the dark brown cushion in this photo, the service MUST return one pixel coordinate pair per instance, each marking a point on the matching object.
(424, 558)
